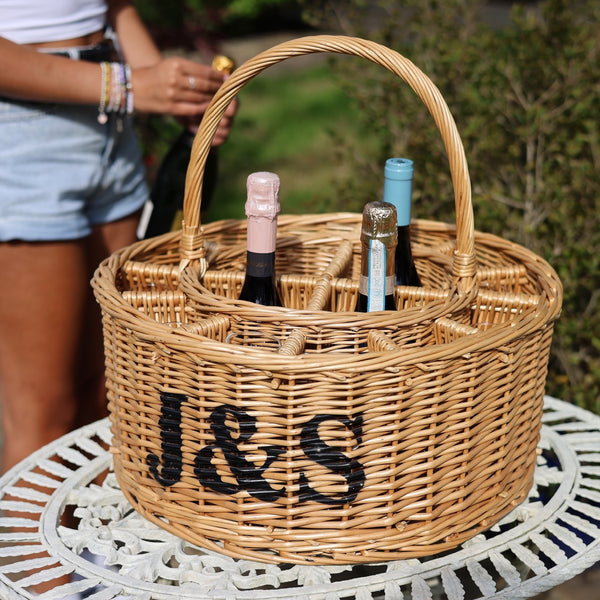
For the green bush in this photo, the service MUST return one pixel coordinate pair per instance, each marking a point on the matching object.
(201, 23)
(526, 101)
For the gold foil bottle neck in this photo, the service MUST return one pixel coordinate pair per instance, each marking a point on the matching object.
(223, 63)
(379, 222)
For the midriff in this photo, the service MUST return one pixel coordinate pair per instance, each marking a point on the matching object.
(91, 39)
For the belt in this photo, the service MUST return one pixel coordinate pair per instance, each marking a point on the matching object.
(102, 52)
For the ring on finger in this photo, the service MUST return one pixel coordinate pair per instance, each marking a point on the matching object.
(192, 82)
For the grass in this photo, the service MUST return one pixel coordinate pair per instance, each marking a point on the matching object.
(285, 124)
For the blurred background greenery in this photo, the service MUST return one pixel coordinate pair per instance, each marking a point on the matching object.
(524, 89)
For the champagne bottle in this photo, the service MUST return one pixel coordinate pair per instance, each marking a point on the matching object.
(262, 208)
(378, 246)
(397, 189)
(163, 211)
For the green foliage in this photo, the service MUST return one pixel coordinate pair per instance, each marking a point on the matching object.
(433, 36)
(525, 99)
(159, 11)
(250, 8)
(189, 22)
(285, 124)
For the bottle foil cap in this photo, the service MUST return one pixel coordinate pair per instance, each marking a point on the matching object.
(223, 63)
(263, 195)
(397, 187)
(379, 222)
(399, 169)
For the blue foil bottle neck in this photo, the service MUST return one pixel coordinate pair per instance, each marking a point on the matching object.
(397, 187)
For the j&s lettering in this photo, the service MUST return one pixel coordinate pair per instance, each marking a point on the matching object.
(250, 477)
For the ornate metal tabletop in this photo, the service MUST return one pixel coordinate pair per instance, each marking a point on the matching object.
(111, 552)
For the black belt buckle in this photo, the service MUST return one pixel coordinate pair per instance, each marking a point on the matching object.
(102, 52)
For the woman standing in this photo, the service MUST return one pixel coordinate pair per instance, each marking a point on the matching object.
(71, 187)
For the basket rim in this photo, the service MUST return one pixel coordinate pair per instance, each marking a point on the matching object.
(453, 299)
(113, 303)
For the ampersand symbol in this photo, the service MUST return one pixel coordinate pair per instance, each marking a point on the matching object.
(249, 477)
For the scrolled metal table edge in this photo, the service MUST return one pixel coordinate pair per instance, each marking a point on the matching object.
(115, 554)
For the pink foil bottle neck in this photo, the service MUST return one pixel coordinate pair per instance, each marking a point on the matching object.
(262, 208)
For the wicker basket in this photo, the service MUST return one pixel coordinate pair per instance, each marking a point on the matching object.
(357, 437)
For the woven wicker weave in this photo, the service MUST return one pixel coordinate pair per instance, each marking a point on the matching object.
(364, 436)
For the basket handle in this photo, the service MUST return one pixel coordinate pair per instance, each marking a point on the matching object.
(192, 243)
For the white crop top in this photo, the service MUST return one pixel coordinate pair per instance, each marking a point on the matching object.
(35, 21)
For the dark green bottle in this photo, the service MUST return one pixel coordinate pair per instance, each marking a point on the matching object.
(397, 189)
(165, 209)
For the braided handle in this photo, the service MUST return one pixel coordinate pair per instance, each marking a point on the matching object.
(464, 258)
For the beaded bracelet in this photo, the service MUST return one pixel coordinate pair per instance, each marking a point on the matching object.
(128, 91)
(116, 88)
(116, 93)
(102, 118)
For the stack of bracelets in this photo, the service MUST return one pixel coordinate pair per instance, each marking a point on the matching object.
(116, 94)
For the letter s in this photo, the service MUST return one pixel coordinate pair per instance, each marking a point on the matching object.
(337, 462)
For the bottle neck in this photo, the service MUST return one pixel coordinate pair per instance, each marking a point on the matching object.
(377, 278)
(399, 194)
(377, 259)
(261, 235)
(404, 236)
(261, 243)
(260, 264)
(406, 271)
(187, 137)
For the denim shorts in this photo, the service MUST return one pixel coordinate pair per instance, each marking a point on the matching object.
(62, 172)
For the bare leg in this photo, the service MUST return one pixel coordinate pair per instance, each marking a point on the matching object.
(104, 240)
(51, 360)
(41, 309)
(42, 303)
(51, 353)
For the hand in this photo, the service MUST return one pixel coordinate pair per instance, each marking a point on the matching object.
(175, 86)
(224, 128)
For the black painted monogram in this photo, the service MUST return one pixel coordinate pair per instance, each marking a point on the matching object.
(250, 477)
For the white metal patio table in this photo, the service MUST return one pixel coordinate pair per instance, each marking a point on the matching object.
(114, 553)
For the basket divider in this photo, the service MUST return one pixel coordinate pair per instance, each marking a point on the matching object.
(294, 343)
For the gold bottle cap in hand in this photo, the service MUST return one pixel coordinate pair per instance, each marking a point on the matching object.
(223, 63)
